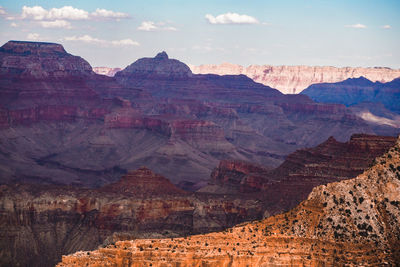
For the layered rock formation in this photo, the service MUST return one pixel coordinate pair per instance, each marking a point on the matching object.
(293, 79)
(157, 67)
(356, 91)
(106, 71)
(154, 113)
(352, 222)
(290, 183)
(41, 223)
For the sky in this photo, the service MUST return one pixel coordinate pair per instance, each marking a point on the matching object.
(355, 33)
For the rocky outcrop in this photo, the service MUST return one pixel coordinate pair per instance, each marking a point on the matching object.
(158, 67)
(142, 182)
(352, 222)
(40, 60)
(235, 175)
(106, 71)
(356, 91)
(41, 223)
(290, 183)
(294, 79)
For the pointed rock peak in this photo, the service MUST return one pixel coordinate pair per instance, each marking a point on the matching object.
(159, 66)
(358, 81)
(144, 170)
(331, 139)
(162, 55)
(26, 47)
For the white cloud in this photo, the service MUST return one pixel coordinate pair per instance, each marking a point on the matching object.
(56, 24)
(13, 24)
(33, 37)
(86, 39)
(104, 13)
(68, 13)
(153, 26)
(124, 42)
(2, 11)
(91, 40)
(147, 26)
(386, 26)
(231, 18)
(357, 26)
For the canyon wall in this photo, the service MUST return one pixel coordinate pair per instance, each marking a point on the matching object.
(294, 79)
(347, 223)
(39, 223)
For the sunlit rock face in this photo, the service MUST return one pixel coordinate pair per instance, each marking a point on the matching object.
(291, 182)
(352, 222)
(106, 71)
(294, 79)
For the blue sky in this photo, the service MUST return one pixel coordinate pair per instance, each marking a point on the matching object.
(286, 32)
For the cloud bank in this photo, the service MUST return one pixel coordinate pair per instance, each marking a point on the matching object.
(91, 40)
(149, 26)
(68, 13)
(231, 18)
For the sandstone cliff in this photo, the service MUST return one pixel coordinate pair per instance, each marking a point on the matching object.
(106, 71)
(293, 79)
(352, 222)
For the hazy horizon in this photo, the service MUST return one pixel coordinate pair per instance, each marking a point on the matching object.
(356, 33)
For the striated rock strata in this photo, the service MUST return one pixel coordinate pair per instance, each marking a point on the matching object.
(294, 79)
(352, 222)
(40, 223)
(284, 187)
(62, 123)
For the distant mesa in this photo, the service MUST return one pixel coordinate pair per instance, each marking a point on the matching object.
(40, 60)
(26, 47)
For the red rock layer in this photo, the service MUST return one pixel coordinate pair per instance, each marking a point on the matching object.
(143, 182)
(290, 183)
(347, 223)
(40, 223)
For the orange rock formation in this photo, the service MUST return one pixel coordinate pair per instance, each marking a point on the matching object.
(352, 222)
